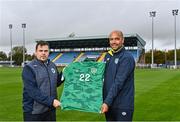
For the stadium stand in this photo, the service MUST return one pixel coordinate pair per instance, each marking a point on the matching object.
(66, 58)
(70, 49)
(135, 54)
(90, 55)
(53, 55)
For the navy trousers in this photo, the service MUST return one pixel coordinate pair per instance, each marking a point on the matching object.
(46, 116)
(116, 114)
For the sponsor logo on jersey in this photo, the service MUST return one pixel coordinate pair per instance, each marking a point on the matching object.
(77, 70)
(53, 70)
(124, 113)
(116, 60)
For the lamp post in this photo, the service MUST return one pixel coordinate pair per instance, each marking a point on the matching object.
(175, 13)
(165, 58)
(152, 15)
(10, 28)
(23, 27)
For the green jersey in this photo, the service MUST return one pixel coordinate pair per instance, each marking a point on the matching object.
(83, 86)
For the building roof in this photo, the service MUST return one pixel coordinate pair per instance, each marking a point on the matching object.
(131, 40)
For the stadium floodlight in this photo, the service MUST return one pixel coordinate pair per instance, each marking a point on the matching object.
(23, 27)
(165, 58)
(152, 15)
(175, 13)
(10, 28)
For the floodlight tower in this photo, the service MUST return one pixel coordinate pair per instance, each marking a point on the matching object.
(10, 29)
(23, 27)
(152, 15)
(175, 13)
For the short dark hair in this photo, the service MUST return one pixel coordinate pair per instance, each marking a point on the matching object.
(41, 43)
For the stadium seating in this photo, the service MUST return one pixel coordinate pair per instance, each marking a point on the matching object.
(68, 57)
(135, 54)
(53, 55)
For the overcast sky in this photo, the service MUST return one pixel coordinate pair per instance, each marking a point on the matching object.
(59, 18)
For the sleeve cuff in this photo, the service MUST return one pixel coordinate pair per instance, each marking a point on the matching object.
(51, 101)
(107, 102)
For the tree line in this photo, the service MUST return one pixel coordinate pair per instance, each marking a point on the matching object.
(17, 55)
(162, 57)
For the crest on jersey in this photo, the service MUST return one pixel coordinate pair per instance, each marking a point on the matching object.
(77, 70)
(124, 113)
(53, 70)
(116, 60)
(93, 70)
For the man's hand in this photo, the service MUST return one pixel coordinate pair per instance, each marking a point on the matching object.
(56, 103)
(104, 108)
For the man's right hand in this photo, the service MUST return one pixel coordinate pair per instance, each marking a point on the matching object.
(104, 108)
(56, 103)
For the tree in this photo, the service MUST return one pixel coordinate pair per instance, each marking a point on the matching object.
(159, 57)
(148, 57)
(3, 56)
(178, 54)
(29, 57)
(18, 49)
(170, 55)
(17, 58)
(17, 54)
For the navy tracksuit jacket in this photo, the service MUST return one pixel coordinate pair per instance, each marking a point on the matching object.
(118, 89)
(40, 82)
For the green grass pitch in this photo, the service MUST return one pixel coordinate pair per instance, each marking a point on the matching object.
(157, 97)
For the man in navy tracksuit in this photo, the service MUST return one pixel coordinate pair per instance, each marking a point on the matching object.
(118, 89)
(40, 80)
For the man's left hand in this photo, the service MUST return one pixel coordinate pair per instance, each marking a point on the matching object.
(104, 108)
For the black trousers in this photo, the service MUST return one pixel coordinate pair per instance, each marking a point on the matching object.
(116, 114)
(46, 116)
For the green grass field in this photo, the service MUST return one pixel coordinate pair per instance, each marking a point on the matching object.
(157, 97)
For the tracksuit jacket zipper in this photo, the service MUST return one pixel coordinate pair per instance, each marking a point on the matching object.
(48, 77)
